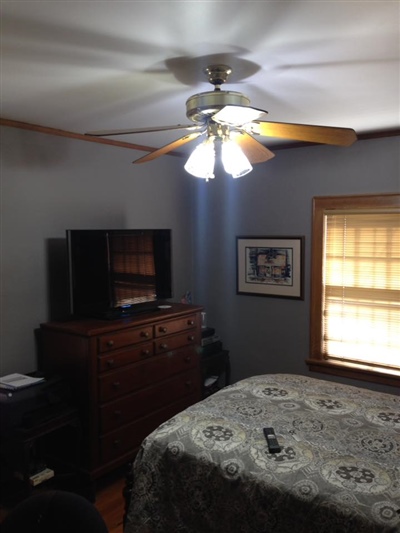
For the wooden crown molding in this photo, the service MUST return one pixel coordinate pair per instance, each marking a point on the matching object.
(378, 134)
(71, 135)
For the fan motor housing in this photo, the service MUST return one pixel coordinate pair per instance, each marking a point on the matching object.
(201, 106)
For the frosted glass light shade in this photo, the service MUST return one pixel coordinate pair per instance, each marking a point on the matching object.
(202, 160)
(234, 160)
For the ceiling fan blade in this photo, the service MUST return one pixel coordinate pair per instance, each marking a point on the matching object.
(169, 147)
(106, 133)
(303, 132)
(237, 115)
(253, 149)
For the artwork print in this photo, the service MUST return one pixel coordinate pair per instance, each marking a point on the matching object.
(270, 266)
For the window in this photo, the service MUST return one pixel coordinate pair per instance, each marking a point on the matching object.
(355, 287)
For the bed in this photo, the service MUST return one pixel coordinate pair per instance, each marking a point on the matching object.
(208, 468)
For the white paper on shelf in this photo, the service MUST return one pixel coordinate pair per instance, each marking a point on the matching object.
(18, 381)
(210, 381)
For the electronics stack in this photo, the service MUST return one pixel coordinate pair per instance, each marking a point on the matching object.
(214, 362)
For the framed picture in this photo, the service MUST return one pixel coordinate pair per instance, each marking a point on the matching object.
(270, 266)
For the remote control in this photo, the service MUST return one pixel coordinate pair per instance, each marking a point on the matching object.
(273, 444)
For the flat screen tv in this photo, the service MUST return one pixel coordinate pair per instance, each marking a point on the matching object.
(117, 273)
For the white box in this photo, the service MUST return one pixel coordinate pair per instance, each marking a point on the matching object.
(40, 477)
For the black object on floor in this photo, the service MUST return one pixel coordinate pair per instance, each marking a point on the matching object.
(54, 511)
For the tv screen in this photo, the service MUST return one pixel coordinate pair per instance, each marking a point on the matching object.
(116, 273)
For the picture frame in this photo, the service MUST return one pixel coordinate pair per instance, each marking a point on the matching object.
(270, 266)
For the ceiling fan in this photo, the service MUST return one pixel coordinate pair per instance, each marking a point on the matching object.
(227, 120)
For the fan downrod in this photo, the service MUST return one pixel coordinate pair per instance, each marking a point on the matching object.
(217, 74)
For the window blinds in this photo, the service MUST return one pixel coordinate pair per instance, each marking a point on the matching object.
(361, 287)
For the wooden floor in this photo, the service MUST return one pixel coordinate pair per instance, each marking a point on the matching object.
(110, 501)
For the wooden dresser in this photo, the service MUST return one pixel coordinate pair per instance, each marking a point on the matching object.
(129, 376)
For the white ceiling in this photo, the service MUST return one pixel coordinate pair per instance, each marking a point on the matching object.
(88, 65)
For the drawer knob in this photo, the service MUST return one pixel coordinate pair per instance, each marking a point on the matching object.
(116, 443)
(110, 343)
(145, 353)
(117, 414)
(188, 359)
(188, 384)
(191, 338)
(110, 362)
(145, 334)
(163, 346)
(190, 322)
(116, 384)
(163, 329)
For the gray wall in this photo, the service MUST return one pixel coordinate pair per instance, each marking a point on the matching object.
(272, 334)
(50, 184)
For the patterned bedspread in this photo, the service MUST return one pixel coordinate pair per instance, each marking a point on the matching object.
(208, 469)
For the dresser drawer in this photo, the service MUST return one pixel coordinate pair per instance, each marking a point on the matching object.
(175, 341)
(129, 437)
(124, 357)
(120, 412)
(127, 379)
(113, 341)
(174, 326)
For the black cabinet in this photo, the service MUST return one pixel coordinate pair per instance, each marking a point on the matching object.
(46, 452)
(216, 371)
(214, 362)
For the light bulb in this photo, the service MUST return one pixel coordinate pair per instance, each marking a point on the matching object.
(201, 161)
(234, 160)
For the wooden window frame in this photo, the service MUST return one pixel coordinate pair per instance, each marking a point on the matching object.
(317, 362)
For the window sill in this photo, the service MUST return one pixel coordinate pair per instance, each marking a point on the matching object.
(355, 371)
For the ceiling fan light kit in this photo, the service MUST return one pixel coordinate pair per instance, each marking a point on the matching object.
(201, 162)
(227, 119)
